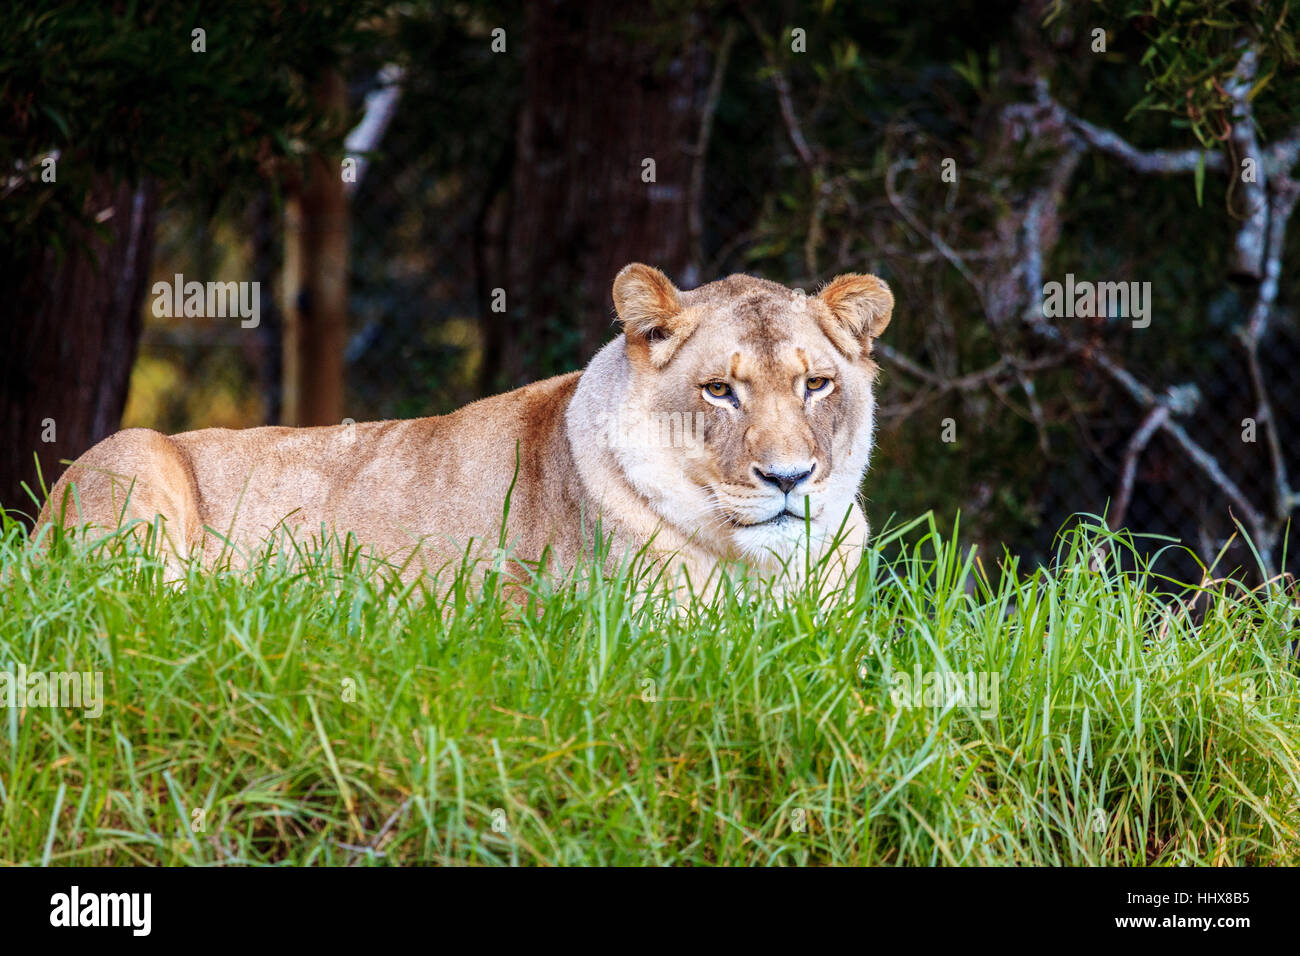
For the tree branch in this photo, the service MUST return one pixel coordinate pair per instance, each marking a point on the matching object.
(1158, 161)
(788, 116)
(365, 137)
(1251, 240)
(695, 204)
(1137, 444)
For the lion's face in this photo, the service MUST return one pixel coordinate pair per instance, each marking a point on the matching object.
(752, 403)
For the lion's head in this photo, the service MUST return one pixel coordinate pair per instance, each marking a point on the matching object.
(749, 406)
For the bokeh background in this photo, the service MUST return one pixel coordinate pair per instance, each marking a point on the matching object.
(967, 152)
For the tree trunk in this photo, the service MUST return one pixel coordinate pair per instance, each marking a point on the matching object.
(601, 98)
(264, 349)
(315, 285)
(68, 339)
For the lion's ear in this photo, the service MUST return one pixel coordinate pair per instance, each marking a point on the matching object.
(646, 300)
(860, 307)
(651, 311)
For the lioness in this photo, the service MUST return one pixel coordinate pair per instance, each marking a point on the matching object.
(730, 422)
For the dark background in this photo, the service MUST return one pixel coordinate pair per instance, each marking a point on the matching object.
(790, 140)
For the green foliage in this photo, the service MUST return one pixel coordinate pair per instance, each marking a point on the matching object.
(119, 91)
(1192, 48)
(599, 725)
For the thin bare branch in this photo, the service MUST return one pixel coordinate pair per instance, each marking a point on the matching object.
(793, 127)
(1158, 161)
(695, 205)
(1137, 444)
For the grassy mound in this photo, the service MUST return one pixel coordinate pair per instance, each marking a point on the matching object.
(313, 710)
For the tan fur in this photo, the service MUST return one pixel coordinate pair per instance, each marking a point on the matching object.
(633, 442)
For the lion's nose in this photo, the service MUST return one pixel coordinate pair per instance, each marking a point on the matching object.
(785, 480)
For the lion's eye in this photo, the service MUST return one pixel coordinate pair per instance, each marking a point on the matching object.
(817, 382)
(718, 389)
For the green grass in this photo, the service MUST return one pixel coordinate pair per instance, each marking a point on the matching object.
(597, 726)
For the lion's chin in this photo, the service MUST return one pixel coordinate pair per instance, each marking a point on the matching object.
(776, 519)
(775, 541)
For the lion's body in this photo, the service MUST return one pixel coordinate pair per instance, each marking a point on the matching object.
(428, 489)
(424, 486)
